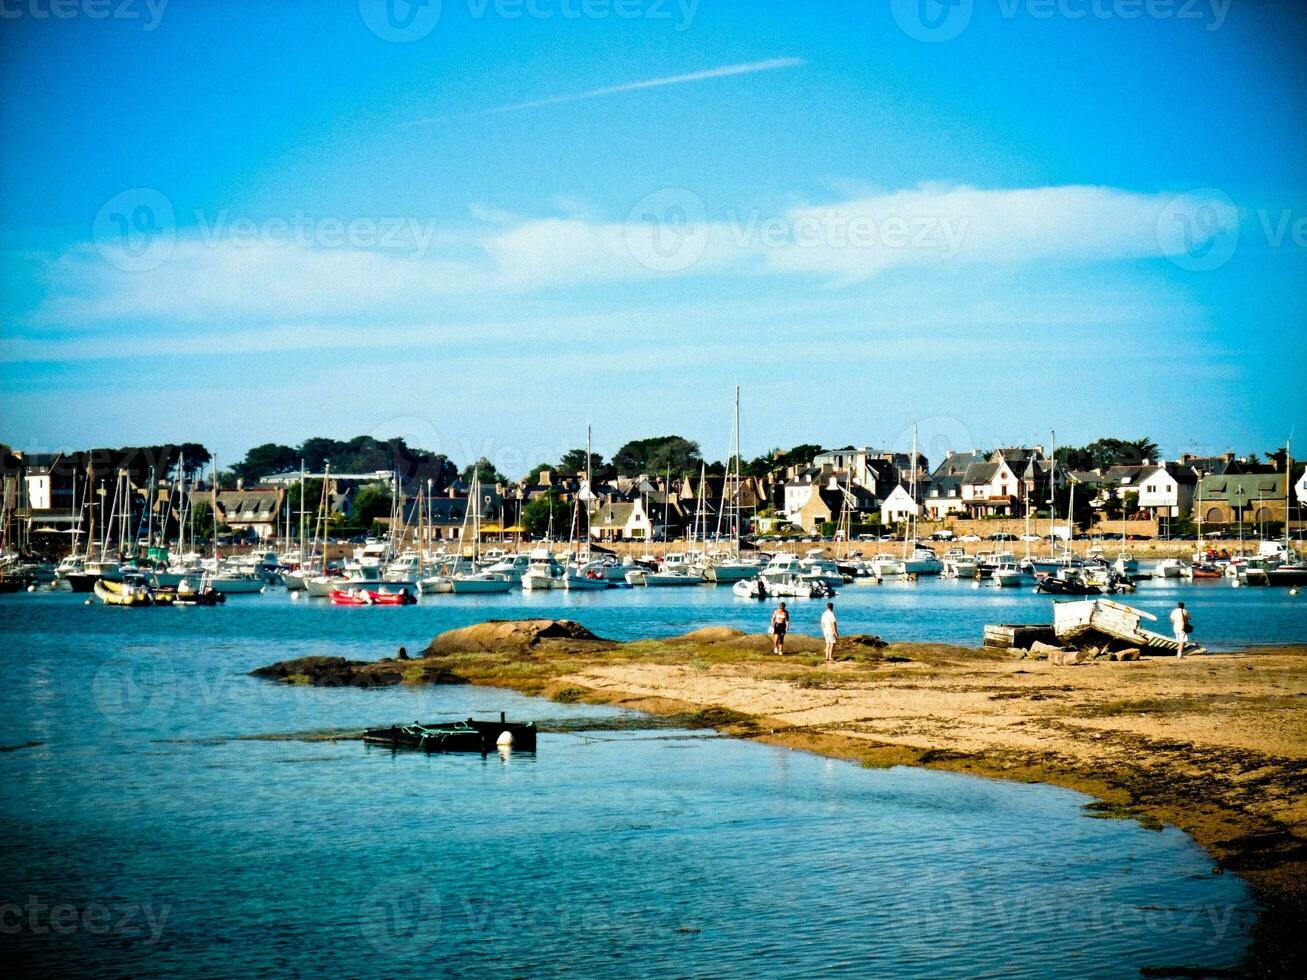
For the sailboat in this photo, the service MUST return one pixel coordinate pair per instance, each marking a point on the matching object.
(731, 568)
(474, 582)
(584, 574)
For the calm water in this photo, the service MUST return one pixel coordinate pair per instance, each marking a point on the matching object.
(146, 833)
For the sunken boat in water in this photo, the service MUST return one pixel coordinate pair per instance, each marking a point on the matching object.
(457, 736)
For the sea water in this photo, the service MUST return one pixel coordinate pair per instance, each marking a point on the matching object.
(151, 827)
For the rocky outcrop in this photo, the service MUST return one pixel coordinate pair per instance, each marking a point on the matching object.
(518, 636)
(339, 672)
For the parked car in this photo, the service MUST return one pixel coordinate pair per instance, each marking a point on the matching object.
(1031, 537)
(1002, 536)
(943, 536)
(970, 537)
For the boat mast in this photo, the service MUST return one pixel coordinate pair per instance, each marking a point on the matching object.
(1052, 491)
(589, 491)
(1288, 492)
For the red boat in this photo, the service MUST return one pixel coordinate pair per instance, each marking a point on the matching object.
(1207, 571)
(366, 597)
(401, 598)
(350, 597)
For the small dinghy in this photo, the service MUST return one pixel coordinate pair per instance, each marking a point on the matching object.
(457, 736)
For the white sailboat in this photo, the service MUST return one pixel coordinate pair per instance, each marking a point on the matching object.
(583, 573)
(474, 582)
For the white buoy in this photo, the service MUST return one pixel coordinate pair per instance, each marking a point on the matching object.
(31, 588)
(294, 595)
(1294, 590)
(87, 602)
(505, 740)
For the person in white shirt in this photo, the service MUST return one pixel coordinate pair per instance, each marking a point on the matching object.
(830, 631)
(1180, 626)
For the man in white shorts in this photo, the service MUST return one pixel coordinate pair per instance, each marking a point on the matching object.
(830, 631)
(1180, 626)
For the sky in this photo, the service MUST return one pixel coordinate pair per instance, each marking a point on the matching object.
(485, 225)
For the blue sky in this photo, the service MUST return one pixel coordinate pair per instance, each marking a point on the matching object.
(483, 224)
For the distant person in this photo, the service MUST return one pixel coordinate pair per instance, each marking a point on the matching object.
(780, 622)
(1182, 626)
(830, 631)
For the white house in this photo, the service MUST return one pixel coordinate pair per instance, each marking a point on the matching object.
(943, 497)
(898, 505)
(1166, 493)
(991, 488)
(1301, 488)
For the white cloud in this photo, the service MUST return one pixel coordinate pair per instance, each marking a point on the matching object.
(495, 257)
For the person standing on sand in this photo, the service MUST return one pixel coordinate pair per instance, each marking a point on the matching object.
(830, 631)
(780, 622)
(1181, 626)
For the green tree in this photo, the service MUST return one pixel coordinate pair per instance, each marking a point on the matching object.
(573, 462)
(536, 514)
(371, 501)
(485, 470)
(263, 460)
(318, 451)
(657, 455)
(1105, 452)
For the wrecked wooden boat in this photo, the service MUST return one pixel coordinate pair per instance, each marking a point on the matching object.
(457, 736)
(1106, 621)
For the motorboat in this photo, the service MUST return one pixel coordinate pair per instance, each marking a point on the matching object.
(369, 597)
(132, 593)
(230, 582)
(958, 564)
(753, 588)
(512, 567)
(1008, 575)
(922, 562)
(586, 577)
(728, 571)
(1172, 568)
(787, 584)
(467, 583)
(543, 571)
